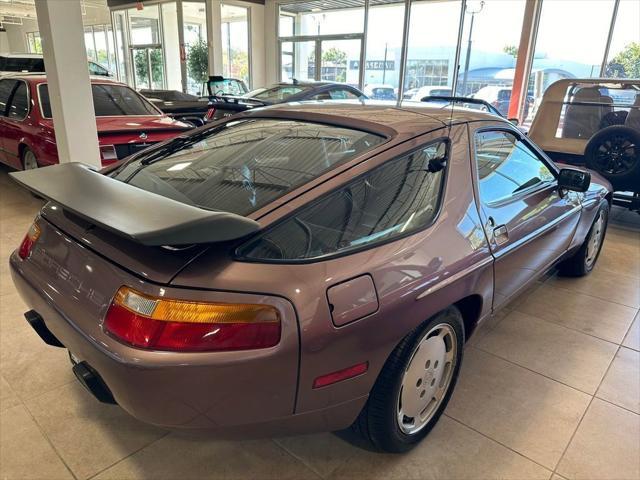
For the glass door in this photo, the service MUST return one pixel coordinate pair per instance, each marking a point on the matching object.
(298, 60)
(340, 61)
(148, 67)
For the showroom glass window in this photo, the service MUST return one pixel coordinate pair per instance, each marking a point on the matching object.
(490, 40)
(332, 59)
(570, 43)
(432, 44)
(392, 200)
(235, 42)
(507, 166)
(624, 53)
(249, 163)
(194, 27)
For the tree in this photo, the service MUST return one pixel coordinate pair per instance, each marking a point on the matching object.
(334, 60)
(625, 64)
(511, 50)
(142, 69)
(198, 61)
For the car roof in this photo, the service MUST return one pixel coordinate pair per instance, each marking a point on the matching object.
(40, 77)
(21, 55)
(384, 118)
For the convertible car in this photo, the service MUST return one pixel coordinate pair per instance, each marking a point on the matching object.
(299, 268)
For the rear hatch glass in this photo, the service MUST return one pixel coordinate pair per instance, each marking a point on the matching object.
(248, 164)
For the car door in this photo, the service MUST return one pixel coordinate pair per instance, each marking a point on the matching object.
(16, 112)
(529, 223)
(6, 89)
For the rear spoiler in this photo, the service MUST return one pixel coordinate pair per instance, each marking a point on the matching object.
(128, 211)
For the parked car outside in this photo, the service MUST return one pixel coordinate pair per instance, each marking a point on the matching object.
(343, 260)
(596, 123)
(500, 97)
(126, 121)
(430, 91)
(34, 63)
(380, 91)
(227, 105)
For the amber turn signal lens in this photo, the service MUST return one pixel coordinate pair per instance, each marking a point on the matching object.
(165, 324)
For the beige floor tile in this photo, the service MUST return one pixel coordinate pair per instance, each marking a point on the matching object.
(8, 398)
(605, 446)
(323, 453)
(568, 356)
(555, 476)
(451, 451)
(24, 452)
(29, 365)
(527, 412)
(604, 284)
(182, 457)
(632, 339)
(603, 319)
(621, 253)
(88, 435)
(621, 385)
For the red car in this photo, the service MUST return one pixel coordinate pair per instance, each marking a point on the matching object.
(126, 121)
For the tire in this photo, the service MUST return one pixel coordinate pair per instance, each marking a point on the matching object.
(379, 422)
(614, 152)
(28, 159)
(582, 262)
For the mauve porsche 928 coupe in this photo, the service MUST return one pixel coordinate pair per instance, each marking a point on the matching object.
(299, 268)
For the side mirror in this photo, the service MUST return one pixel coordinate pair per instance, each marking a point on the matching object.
(574, 179)
(515, 121)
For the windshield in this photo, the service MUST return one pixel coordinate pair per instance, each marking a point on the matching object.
(21, 64)
(169, 95)
(279, 93)
(248, 164)
(108, 100)
(226, 86)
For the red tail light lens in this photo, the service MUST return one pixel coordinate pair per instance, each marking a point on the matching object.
(177, 325)
(29, 240)
(210, 113)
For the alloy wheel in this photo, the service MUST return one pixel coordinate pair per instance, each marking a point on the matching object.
(427, 378)
(595, 239)
(29, 160)
(616, 155)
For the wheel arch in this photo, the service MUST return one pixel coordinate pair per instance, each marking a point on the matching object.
(470, 308)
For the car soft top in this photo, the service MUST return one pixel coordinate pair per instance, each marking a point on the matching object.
(131, 212)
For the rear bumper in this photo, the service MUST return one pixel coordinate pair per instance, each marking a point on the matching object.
(239, 395)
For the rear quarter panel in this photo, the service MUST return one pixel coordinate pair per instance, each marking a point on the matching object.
(415, 277)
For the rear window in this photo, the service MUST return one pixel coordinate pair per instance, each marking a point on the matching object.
(249, 163)
(278, 94)
(18, 64)
(108, 101)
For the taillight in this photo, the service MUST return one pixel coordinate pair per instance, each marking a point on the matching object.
(108, 153)
(157, 323)
(29, 240)
(210, 113)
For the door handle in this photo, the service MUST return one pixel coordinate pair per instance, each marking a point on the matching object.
(501, 234)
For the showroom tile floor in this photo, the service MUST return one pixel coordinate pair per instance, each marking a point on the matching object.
(549, 389)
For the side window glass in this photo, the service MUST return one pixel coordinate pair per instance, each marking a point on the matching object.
(506, 166)
(6, 87)
(396, 198)
(19, 106)
(343, 95)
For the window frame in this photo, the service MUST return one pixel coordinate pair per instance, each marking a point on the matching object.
(10, 101)
(235, 253)
(533, 148)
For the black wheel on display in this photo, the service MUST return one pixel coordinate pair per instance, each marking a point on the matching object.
(614, 152)
(582, 262)
(414, 386)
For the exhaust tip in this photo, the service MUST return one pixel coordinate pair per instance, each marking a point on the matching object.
(91, 380)
(37, 323)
